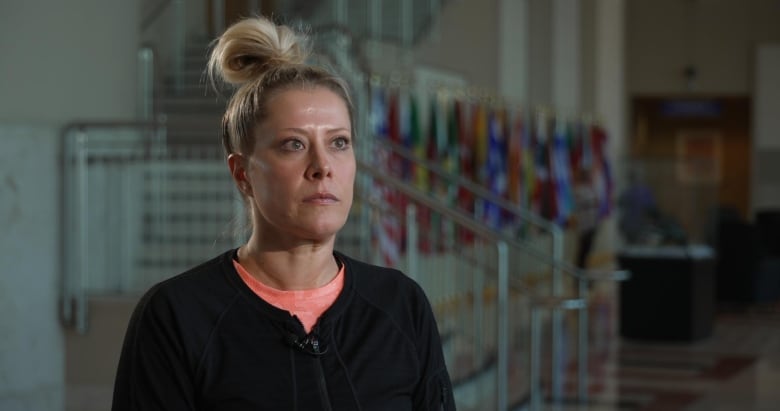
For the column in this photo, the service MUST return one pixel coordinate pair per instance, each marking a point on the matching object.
(513, 61)
(566, 62)
(609, 89)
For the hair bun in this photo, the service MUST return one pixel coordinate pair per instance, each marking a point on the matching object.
(253, 46)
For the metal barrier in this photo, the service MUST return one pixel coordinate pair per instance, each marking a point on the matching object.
(136, 211)
(475, 278)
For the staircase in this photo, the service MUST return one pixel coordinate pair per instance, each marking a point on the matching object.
(479, 290)
(192, 108)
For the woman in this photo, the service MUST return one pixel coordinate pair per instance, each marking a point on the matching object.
(284, 322)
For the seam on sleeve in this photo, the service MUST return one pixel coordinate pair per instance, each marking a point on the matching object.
(213, 333)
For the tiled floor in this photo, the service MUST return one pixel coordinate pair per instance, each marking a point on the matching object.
(737, 368)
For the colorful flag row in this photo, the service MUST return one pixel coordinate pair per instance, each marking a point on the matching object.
(527, 160)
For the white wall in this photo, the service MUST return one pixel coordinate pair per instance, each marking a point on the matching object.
(62, 61)
(766, 129)
(31, 346)
(513, 47)
(540, 53)
(609, 92)
(465, 42)
(68, 59)
(715, 36)
(723, 40)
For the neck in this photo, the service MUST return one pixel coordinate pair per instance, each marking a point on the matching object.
(300, 268)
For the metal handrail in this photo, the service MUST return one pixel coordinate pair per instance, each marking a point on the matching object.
(555, 260)
(176, 42)
(73, 298)
(582, 276)
(471, 186)
(154, 14)
(467, 220)
(502, 241)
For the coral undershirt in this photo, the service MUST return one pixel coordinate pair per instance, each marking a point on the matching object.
(307, 305)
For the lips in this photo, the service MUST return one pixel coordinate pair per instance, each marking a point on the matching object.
(323, 197)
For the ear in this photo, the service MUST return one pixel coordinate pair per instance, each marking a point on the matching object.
(238, 170)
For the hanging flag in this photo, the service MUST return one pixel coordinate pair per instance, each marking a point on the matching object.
(436, 151)
(544, 194)
(406, 116)
(419, 173)
(576, 146)
(586, 143)
(466, 147)
(466, 167)
(394, 133)
(495, 166)
(378, 113)
(514, 170)
(432, 147)
(561, 173)
(417, 143)
(451, 160)
(527, 166)
(480, 143)
(602, 175)
(386, 234)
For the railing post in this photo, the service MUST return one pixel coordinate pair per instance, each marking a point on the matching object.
(340, 12)
(218, 16)
(535, 365)
(180, 28)
(159, 152)
(433, 8)
(70, 244)
(412, 259)
(82, 208)
(479, 302)
(145, 84)
(407, 32)
(582, 346)
(376, 218)
(503, 325)
(374, 27)
(557, 318)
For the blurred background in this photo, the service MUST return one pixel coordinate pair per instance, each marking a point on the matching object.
(475, 118)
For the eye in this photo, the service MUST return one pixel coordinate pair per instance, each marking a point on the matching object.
(341, 143)
(293, 145)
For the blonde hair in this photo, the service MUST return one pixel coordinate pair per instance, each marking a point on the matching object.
(260, 58)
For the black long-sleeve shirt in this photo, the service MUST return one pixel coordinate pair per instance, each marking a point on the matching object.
(204, 341)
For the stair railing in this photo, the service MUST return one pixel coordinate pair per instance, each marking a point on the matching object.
(127, 142)
(346, 55)
(507, 276)
(559, 266)
(163, 27)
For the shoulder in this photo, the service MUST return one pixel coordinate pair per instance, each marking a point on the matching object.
(393, 294)
(381, 283)
(202, 292)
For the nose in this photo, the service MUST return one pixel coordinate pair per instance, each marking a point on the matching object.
(319, 166)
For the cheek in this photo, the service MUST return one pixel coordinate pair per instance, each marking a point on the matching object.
(271, 184)
(349, 172)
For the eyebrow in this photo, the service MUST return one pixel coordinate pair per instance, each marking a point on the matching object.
(304, 131)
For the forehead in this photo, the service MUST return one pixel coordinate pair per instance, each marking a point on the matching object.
(316, 102)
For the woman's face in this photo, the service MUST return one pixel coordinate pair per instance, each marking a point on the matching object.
(302, 169)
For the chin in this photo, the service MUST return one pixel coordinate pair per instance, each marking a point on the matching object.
(325, 230)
